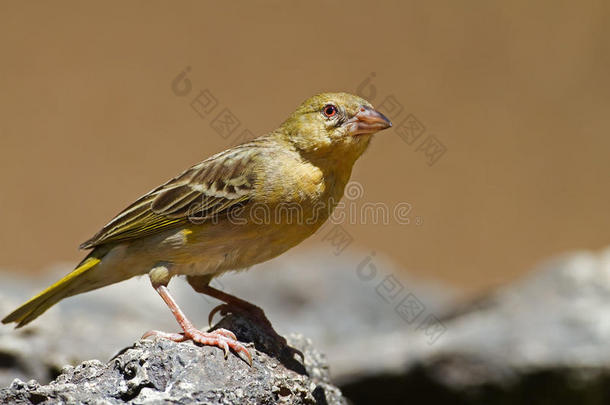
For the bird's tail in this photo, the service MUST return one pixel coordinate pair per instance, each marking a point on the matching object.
(69, 285)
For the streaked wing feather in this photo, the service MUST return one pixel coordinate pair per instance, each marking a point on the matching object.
(204, 191)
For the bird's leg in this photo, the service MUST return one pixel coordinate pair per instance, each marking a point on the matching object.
(231, 302)
(222, 338)
(235, 304)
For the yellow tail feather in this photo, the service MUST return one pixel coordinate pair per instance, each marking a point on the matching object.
(33, 308)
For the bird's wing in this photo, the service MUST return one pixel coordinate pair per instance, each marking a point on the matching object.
(206, 190)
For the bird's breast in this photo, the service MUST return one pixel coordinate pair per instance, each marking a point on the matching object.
(293, 199)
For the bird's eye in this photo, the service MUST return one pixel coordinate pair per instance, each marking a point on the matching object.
(330, 110)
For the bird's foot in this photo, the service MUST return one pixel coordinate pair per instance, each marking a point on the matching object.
(257, 315)
(250, 310)
(222, 338)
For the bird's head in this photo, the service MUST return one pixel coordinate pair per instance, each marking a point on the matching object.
(334, 122)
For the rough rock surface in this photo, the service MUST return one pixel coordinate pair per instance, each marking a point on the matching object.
(161, 371)
(542, 340)
(320, 296)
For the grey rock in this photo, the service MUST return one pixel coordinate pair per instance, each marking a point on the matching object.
(544, 339)
(160, 371)
(321, 295)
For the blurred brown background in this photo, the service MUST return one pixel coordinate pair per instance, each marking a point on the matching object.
(517, 93)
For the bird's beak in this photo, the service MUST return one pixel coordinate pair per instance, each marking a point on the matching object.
(367, 121)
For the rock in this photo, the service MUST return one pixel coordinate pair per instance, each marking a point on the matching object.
(544, 339)
(323, 296)
(161, 371)
(390, 339)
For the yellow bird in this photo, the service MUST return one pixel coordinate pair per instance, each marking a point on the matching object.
(235, 209)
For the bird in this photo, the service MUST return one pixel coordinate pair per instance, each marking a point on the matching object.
(232, 210)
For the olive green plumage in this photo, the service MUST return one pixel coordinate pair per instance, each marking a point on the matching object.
(200, 222)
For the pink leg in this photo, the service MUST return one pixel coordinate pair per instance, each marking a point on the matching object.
(221, 337)
(232, 303)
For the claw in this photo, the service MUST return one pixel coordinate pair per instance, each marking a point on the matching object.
(176, 337)
(256, 314)
(252, 311)
(221, 338)
(214, 311)
(294, 351)
(149, 334)
(245, 356)
(225, 347)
